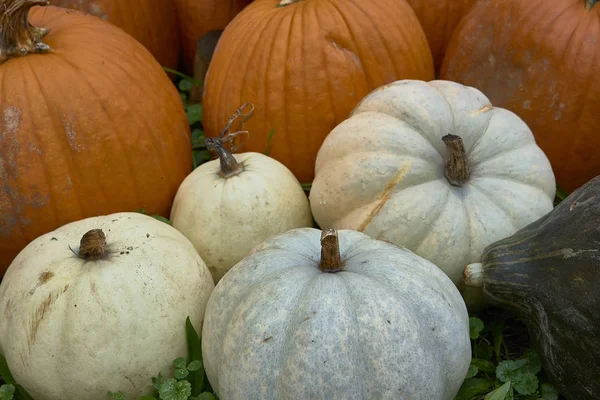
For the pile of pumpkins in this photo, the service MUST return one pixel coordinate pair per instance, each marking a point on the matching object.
(429, 196)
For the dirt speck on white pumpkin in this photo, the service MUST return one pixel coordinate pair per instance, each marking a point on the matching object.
(41, 312)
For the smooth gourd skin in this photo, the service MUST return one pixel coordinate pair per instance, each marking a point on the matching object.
(226, 217)
(391, 325)
(549, 274)
(382, 172)
(75, 329)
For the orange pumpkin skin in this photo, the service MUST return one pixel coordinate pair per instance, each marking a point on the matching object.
(92, 128)
(305, 66)
(151, 22)
(439, 19)
(541, 60)
(198, 17)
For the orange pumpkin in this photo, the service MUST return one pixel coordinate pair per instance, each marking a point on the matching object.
(89, 126)
(541, 60)
(198, 17)
(439, 19)
(305, 65)
(152, 22)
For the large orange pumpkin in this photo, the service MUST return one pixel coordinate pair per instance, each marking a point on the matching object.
(152, 22)
(439, 19)
(90, 126)
(198, 17)
(305, 65)
(540, 59)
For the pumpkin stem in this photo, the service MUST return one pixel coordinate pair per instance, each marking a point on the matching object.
(284, 3)
(17, 37)
(229, 165)
(457, 169)
(589, 4)
(93, 245)
(331, 261)
(473, 275)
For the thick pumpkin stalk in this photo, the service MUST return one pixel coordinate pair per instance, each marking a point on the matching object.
(331, 261)
(283, 3)
(473, 275)
(93, 245)
(17, 37)
(229, 165)
(457, 168)
(589, 4)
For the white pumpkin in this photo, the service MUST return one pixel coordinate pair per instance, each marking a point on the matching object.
(227, 206)
(434, 167)
(357, 319)
(79, 321)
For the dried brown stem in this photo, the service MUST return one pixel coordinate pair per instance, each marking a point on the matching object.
(457, 167)
(17, 37)
(93, 245)
(331, 260)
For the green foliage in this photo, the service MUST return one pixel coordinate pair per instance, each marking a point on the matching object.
(155, 216)
(496, 373)
(189, 380)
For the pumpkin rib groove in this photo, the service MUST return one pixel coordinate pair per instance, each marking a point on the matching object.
(430, 226)
(65, 148)
(286, 81)
(328, 74)
(353, 36)
(492, 200)
(37, 137)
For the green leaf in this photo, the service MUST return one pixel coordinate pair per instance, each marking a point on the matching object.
(533, 362)
(117, 395)
(510, 370)
(473, 387)
(181, 373)
(473, 370)
(499, 394)
(194, 113)
(475, 327)
(179, 362)
(147, 398)
(484, 365)
(196, 378)
(483, 351)
(271, 133)
(205, 396)
(549, 392)
(195, 365)
(185, 85)
(7, 392)
(175, 390)
(528, 384)
(8, 378)
(496, 328)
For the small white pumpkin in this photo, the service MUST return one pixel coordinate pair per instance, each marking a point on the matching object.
(308, 315)
(227, 206)
(79, 320)
(434, 167)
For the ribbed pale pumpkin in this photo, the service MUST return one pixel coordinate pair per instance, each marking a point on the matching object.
(439, 19)
(335, 316)
(100, 304)
(434, 167)
(151, 22)
(227, 206)
(198, 17)
(305, 65)
(92, 126)
(541, 60)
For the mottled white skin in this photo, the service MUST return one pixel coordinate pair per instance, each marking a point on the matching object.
(226, 217)
(391, 325)
(96, 326)
(381, 172)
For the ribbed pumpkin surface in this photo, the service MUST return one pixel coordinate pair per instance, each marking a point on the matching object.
(541, 60)
(152, 22)
(305, 66)
(92, 128)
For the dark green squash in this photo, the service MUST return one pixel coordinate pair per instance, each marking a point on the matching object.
(548, 275)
